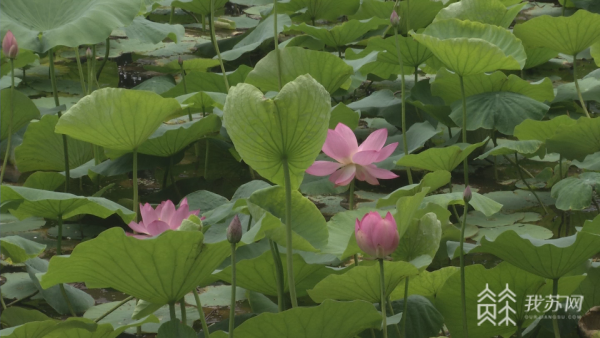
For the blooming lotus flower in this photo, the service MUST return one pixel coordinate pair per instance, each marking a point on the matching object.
(353, 160)
(165, 217)
(10, 46)
(376, 236)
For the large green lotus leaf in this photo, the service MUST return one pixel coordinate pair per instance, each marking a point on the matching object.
(362, 282)
(259, 274)
(25, 111)
(175, 328)
(492, 12)
(15, 316)
(45, 180)
(327, 69)
(510, 147)
(568, 35)
(421, 238)
(24, 58)
(538, 55)
(198, 6)
(479, 202)
(367, 62)
(502, 111)
(342, 114)
(17, 249)
(262, 32)
(447, 86)
(71, 328)
(550, 258)
(575, 193)
(340, 35)
(290, 127)
(85, 22)
(521, 283)
(468, 48)
(180, 262)
(595, 51)
(576, 141)
(309, 230)
(42, 148)
(197, 81)
(310, 10)
(203, 102)
(426, 284)
(119, 119)
(420, 12)
(433, 180)
(413, 53)
(146, 31)
(589, 87)
(342, 242)
(49, 204)
(422, 98)
(406, 208)
(434, 159)
(542, 130)
(535, 231)
(172, 67)
(373, 8)
(590, 289)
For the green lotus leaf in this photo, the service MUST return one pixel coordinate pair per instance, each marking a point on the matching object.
(433, 180)
(262, 32)
(45, 180)
(447, 86)
(362, 282)
(492, 12)
(342, 114)
(342, 242)
(535, 231)
(340, 35)
(595, 51)
(51, 205)
(469, 48)
(203, 102)
(538, 55)
(502, 111)
(422, 98)
(119, 119)
(17, 249)
(85, 22)
(24, 58)
(373, 8)
(15, 316)
(146, 31)
(576, 141)
(542, 130)
(422, 318)
(328, 10)
(198, 64)
(180, 263)
(569, 35)
(528, 148)
(481, 203)
(198, 6)
(197, 81)
(434, 159)
(550, 258)
(589, 87)
(422, 238)
(175, 328)
(309, 230)
(259, 274)
(575, 193)
(25, 111)
(521, 283)
(327, 69)
(590, 289)
(302, 108)
(413, 53)
(426, 284)
(420, 12)
(367, 62)
(17, 286)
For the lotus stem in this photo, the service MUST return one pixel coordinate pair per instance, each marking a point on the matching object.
(288, 224)
(527, 184)
(391, 309)
(66, 297)
(494, 140)
(172, 311)
(403, 89)
(94, 79)
(206, 159)
(213, 37)
(405, 310)
(464, 127)
(19, 300)
(276, 40)
(583, 105)
(172, 15)
(121, 303)
(57, 103)
(249, 223)
(10, 121)
(351, 207)
(382, 289)
(462, 270)
(554, 319)
(278, 275)
(106, 54)
(185, 89)
(135, 185)
(201, 314)
(80, 68)
(59, 252)
(3, 304)
(183, 311)
(203, 22)
(232, 304)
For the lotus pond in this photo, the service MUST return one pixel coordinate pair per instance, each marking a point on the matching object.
(300, 168)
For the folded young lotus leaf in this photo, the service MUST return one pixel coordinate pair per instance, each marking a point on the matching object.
(492, 12)
(421, 238)
(25, 111)
(17, 249)
(179, 263)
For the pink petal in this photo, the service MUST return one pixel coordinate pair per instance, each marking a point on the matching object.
(157, 227)
(363, 175)
(365, 157)
(323, 168)
(149, 215)
(138, 227)
(379, 173)
(338, 148)
(343, 176)
(348, 135)
(167, 212)
(375, 141)
(386, 152)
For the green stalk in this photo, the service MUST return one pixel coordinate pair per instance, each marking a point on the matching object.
(10, 119)
(382, 288)
(249, 223)
(288, 225)
(135, 185)
(2, 302)
(351, 207)
(495, 142)
(405, 311)
(232, 304)
(464, 127)
(106, 54)
(66, 297)
(94, 66)
(59, 252)
(577, 86)
(201, 314)
(276, 40)
(183, 312)
(80, 68)
(391, 309)
(528, 186)
(57, 103)
(278, 274)
(213, 37)
(462, 270)
(121, 303)
(185, 90)
(206, 159)
(172, 15)
(172, 311)
(554, 319)
(403, 89)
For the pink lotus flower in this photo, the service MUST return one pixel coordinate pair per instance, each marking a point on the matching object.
(354, 161)
(164, 217)
(10, 46)
(376, 236)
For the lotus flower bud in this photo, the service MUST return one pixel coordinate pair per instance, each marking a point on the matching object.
(376, 236)
(10, 46)
(192, 223)
(88, 53)
(394, 19)
(180, 61)
(467, 195)
(234, 230)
